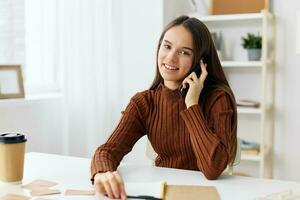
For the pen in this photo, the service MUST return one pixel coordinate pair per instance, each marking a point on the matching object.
(146, 197)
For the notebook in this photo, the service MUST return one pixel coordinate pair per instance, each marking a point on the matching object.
(150, 189)
(160, 190)
(191, 192)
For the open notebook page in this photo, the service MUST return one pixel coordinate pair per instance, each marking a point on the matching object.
(154, 189)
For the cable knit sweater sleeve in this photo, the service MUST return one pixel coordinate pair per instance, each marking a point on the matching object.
(210, 134)
(130, 128)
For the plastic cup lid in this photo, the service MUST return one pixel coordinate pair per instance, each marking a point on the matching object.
(10, 138)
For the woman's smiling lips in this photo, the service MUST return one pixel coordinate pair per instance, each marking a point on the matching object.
(170, 67)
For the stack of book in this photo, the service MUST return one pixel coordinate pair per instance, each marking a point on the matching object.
(247, 103)
(250, 148)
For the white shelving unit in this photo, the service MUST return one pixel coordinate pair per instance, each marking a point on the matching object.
(234, 17)
(245, 110)
(241, 64)
(265, 68)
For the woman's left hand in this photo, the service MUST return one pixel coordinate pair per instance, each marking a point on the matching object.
(195, 85)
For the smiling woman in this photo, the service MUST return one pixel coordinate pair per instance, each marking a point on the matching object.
(175, 56)
(196, 132)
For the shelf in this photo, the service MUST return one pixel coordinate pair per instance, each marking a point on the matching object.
(250, 157)
(230, 17)
(253, 157)
(245, 110)
(250, 110)
(264, 21)
(254, 64)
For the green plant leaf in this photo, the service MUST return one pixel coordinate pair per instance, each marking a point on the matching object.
(252, 41)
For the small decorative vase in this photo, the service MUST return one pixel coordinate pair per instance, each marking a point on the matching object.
(254, 54)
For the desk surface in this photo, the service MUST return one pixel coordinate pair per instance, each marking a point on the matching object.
(74, 173)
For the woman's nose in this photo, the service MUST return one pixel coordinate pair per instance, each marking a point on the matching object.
(172, 56)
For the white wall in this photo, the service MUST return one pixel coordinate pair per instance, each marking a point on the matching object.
(287, 137)
(41, 120)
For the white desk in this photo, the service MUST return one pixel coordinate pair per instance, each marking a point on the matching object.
(72, 172)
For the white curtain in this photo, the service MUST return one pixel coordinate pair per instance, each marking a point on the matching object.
(91, 48)
(89, 38)
(12, 32)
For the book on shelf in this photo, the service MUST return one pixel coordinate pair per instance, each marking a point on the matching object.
(250, 151)
(248, 103)
(247, 145)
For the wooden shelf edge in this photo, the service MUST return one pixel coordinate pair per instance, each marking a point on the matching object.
(232, 17)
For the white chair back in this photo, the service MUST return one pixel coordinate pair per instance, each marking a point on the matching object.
(150, 153)
(237, 159)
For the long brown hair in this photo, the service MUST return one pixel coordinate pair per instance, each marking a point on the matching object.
(216, 80)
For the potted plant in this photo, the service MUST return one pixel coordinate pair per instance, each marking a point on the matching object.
(252, 43)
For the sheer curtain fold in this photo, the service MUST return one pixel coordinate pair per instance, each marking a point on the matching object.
(92, 81)
(12, 48)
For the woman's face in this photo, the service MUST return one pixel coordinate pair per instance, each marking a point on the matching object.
(175, 56)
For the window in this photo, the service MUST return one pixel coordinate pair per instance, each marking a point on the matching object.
(42, 74)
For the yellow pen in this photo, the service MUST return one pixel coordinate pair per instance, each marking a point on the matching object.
(164, 190)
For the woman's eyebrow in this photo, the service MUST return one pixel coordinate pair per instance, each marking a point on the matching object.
(167, 41)
(187, 48)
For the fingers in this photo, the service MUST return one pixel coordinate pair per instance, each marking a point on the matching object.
(100, 188)
(121, 185)
(110, 184)
(203, 71)
(114, 185)
(184, 83)
(189, 81)
(108, 189)
(193, 76)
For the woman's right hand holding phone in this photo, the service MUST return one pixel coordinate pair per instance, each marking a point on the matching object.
(110, 184)
(195, 85)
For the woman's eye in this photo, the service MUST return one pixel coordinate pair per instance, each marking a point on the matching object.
(184, 53)
(166, 46)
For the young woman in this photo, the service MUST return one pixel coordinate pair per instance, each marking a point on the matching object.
(195, 132)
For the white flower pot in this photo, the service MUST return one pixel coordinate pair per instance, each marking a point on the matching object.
(254, 54)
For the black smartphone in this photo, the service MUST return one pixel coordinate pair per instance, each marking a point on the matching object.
(197, 70)
(183, 91)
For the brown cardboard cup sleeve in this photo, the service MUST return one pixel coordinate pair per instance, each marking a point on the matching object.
(12, 150)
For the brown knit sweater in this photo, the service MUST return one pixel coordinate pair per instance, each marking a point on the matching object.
(196, 138)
